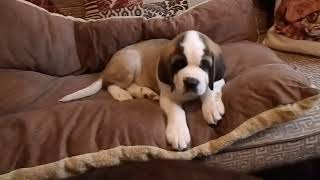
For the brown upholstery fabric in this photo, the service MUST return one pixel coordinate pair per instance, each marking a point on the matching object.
(32, 39)
(36, 129)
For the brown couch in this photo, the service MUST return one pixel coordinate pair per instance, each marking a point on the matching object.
(36, 129)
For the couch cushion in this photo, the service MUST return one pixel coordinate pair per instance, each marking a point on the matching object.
(32, 39)
(37, 129)
(285, 143)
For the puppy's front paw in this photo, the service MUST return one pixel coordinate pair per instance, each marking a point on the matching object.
(148, 93)
(142, 92)
(178, 136)
(213, 109)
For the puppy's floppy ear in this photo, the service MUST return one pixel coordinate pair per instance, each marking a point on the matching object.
(217, 70)
(164, 72)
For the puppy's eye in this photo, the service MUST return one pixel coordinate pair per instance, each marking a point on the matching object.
(205, 65)
(179, 64)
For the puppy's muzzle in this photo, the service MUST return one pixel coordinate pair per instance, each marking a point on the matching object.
(191, 84)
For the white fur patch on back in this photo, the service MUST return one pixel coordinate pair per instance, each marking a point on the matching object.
(193, 47)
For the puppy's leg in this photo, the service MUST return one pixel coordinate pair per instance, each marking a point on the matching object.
(212, 105)
(177, 132)
(142, 92)
(120, 73)
(118, 93)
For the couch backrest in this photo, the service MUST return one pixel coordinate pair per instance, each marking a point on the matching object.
(36, 40)
(33, 39)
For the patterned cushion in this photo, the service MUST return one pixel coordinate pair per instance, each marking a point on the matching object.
(98, 9)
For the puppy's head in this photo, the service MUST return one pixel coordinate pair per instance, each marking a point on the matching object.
(190, 63)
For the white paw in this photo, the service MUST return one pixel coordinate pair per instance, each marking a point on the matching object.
(142, 92)
(213, 108)
(148, 93)
(118, 93)
(178, 136)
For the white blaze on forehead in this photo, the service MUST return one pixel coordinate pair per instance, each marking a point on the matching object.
(193, 47)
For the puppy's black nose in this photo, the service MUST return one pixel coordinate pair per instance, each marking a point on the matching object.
(191, 83)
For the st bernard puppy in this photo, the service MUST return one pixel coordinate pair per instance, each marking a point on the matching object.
(183, 69)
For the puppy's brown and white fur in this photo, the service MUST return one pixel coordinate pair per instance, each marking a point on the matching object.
(185, 68)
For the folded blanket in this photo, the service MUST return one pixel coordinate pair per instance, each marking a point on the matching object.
(296, 28)
(298, 19)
